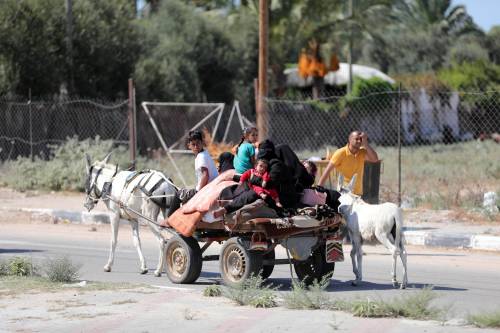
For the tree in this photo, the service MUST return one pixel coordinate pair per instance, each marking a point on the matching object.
(186, 58)
(493, 44)
(33, 49)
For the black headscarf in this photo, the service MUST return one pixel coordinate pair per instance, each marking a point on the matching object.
(281, 178)
(225, 162)
(301, 177)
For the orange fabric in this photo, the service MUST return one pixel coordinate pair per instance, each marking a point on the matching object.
(185, 224)
(304, 63)
(317, 68)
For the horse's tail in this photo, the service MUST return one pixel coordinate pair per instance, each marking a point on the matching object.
(398, 219)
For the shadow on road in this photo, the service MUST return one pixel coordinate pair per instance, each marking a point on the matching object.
(340, 286)
(7, 251)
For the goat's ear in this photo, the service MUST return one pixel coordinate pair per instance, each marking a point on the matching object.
(340, 182)
(106, 159)
(88, 162)
(352, 182)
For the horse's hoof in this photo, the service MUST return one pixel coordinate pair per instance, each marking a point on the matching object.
(144, 271)
(107, 269)
(354, 283)
(403, 286)
(157, 274)
(395, 284)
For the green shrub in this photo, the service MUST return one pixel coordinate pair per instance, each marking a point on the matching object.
(65, 167)
(415, 306)
(490, 319)
(20, 266)
(252, 292)
(212, 291)
(300, 297)
(367, 93)
(62, 270)
(4, 268)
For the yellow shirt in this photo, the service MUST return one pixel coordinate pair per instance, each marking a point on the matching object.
(349, 164)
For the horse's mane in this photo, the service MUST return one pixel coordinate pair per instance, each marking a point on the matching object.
(107, 168)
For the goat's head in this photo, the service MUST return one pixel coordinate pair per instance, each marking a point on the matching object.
(97, 174)
(347, 198)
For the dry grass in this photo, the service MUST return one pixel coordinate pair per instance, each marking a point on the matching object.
(125, 301)
(17, 285)
(489, 319)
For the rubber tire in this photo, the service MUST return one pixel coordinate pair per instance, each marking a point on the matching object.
(189, 247)
(234, 249)
(314, 267)
(267, 270)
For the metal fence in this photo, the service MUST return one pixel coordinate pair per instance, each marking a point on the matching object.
(418, 116)
(29, 128)
(439, 162)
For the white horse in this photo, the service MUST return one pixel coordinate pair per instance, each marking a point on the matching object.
(366, 222)
(142, 191)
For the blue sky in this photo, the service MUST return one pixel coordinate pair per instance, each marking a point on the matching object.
(486, 13)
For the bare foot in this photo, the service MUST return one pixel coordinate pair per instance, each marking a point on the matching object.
(219, 212)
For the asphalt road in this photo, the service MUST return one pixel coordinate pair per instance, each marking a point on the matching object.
(466, 282)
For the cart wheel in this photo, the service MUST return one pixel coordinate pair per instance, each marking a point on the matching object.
(314, 267)
(237, 263)
(267, 270)
(183, 258)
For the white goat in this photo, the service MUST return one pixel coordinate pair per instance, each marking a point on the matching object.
(128, 189)
(366, 222)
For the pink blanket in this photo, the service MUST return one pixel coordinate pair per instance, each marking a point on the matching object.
(185, 219)
(207, 197)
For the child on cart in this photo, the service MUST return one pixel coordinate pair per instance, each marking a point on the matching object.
(270, 195)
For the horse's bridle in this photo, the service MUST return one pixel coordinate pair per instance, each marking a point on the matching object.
(93, 191)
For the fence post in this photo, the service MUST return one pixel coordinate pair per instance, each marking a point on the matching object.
(132, 139)
(262, 116)
(31, 126)
(399, 144)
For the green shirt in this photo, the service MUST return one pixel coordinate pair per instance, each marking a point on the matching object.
(243, 159)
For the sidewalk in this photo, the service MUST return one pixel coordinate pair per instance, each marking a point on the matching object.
(425, 228)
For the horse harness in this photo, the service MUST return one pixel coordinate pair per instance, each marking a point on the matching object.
(106, 189)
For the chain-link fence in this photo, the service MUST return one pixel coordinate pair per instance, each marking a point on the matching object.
(29, 128)
(440, 157)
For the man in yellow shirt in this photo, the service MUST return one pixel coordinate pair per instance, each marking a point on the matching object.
(350, 160)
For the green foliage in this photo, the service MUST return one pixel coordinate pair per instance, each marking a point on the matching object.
(468, 48)
(367, 93)
(20, 266)
(493, 44)
(61, 270)
(472, 77)
(34, 50)
(65, 168)
(483, 320)
(414, 306)
(212, 291)
(252, 292)
(4, 268)
(186, 57)
(300, 297)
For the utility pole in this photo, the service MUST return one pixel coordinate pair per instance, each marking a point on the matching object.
(69, 44)
(349, 84)
(261, 110)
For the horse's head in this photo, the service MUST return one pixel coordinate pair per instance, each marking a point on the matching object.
(98, 173)
(347, 198)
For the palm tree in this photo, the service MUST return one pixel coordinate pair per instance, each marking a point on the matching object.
(438, 15)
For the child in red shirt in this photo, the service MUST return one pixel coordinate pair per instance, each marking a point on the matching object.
(260, 170)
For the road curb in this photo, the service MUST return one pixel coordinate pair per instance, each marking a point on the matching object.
(453, 240)
(412, 237)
